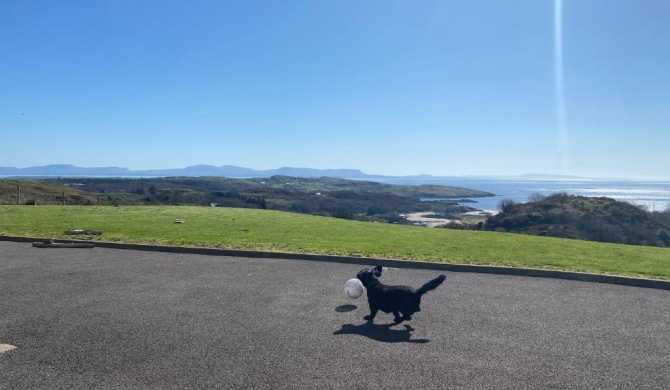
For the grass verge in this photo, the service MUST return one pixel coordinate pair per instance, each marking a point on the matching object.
(234, 228)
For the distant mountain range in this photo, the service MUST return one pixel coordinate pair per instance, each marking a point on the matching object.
(196, 170)
(234, 171)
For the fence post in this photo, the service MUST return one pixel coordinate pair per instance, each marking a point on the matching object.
(18, 195)
(63, 198)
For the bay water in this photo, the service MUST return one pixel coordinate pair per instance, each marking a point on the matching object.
(652, 195)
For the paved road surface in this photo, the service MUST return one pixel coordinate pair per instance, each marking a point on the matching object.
(119, 319)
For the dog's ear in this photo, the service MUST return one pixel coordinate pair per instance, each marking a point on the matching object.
(377, 270)
(363, 273)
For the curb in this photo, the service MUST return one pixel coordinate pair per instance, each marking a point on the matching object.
(370, 261)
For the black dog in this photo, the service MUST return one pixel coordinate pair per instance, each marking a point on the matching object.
(395, 299)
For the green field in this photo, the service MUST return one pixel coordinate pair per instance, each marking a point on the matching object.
(235, 228)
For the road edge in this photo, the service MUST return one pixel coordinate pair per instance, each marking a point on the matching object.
(369, 261)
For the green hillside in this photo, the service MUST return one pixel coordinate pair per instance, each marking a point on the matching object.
(585, 218)
(332, 197)
(292, 232)
(32, 191)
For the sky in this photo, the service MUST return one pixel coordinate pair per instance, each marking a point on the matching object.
(443, 87)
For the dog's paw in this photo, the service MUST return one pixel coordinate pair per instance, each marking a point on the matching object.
(369, 318)
(398, 320)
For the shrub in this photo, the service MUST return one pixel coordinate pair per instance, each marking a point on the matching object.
(507, 205)
(596, 219)
(664, 236)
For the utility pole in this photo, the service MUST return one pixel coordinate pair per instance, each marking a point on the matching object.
(18, 195)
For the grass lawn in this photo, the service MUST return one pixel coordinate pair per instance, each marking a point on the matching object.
(235, 228)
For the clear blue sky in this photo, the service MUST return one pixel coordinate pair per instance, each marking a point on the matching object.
(440, 87)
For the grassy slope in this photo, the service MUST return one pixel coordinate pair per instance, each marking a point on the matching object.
(31, 187)
(289, 232)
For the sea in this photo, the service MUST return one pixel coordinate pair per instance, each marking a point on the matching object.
(651, 195)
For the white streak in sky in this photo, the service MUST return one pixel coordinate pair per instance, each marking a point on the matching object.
(563, 144)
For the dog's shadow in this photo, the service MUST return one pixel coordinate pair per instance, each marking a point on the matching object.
(384, 332)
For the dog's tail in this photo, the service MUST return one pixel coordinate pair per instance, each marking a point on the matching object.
(432, 285)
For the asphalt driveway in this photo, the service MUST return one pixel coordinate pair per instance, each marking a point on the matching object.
(123, 319)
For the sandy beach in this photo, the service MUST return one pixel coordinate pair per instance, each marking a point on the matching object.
(422, 219)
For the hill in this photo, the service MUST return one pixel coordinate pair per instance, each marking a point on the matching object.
(325, 196)
(586, 218)
(35, 192)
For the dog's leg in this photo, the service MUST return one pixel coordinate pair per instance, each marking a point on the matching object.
(406, 316)
(373, 313)
(397, 318)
